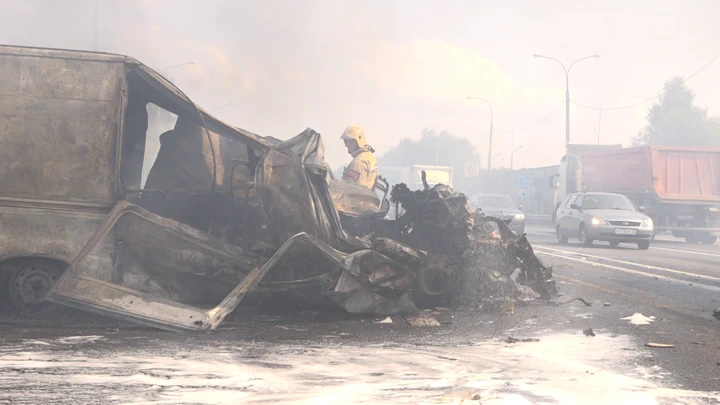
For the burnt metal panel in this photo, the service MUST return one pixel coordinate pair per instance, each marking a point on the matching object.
(63, 53)
(58, 233)
(59, 129)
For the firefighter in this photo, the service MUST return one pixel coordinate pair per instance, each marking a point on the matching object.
(363, 169)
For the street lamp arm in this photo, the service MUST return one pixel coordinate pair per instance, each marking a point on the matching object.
(587, 57)
(486, 102)
(567, 70)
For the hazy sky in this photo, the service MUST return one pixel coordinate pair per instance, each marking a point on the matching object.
(389, 66)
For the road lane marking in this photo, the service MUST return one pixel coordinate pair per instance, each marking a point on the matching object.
(695, 252)
(636, 272)
(647, 266)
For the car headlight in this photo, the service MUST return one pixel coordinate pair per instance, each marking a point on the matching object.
(519, 216)
(647, 223)
(598, 221)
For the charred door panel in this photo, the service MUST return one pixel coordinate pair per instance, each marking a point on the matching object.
(161, 268)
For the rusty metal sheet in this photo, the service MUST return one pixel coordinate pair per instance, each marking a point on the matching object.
(58, 119)
(26, 76)
(63, 53)
(59, 233)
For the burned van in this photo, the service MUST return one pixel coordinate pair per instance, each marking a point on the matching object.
(120, 196)
(84, 130)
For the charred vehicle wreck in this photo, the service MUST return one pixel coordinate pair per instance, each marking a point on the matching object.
(92, 220)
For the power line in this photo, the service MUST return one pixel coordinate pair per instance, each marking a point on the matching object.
(649, 99)
(537, 123)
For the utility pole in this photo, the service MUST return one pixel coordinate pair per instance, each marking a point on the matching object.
(599, 122)
(512, 155)
(567, 89)
(491, 130)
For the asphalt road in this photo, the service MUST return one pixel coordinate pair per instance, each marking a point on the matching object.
(261, 356)
(677, 283)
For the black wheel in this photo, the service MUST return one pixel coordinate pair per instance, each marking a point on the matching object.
(31, 282)
(614, 244)
(692, 239)
(708, 239)
(562, 239)
(644, 245)
(582, 236)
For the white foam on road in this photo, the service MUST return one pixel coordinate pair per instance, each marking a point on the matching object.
(559, 369)
(639, 319)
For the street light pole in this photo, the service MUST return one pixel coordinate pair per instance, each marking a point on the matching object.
(499, 154)
(491, 130)
(567, 88)
(512, 155)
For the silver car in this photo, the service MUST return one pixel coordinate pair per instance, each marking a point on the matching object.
(604, 217)
(501, 207)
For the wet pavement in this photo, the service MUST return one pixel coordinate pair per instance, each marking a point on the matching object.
(333, 358)
(266, 356)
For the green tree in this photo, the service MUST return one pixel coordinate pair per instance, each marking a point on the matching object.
(443, 149)
(675, 120)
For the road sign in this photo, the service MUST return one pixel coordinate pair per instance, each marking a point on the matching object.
(472, 169)
(522, 181)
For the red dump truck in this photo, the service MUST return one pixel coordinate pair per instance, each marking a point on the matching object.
(678, 187)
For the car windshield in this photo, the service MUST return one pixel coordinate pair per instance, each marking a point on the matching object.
(494, 201)
(608, 202)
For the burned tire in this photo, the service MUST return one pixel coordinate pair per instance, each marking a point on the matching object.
(30, 283)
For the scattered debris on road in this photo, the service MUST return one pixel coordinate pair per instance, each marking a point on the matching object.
(421, 320)
(511, 339)
(639, 319)
(660, 345)
(716, 313)
(588, 332)
(606, 304)
(461, 395)
(587, 303)
(386, 320)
